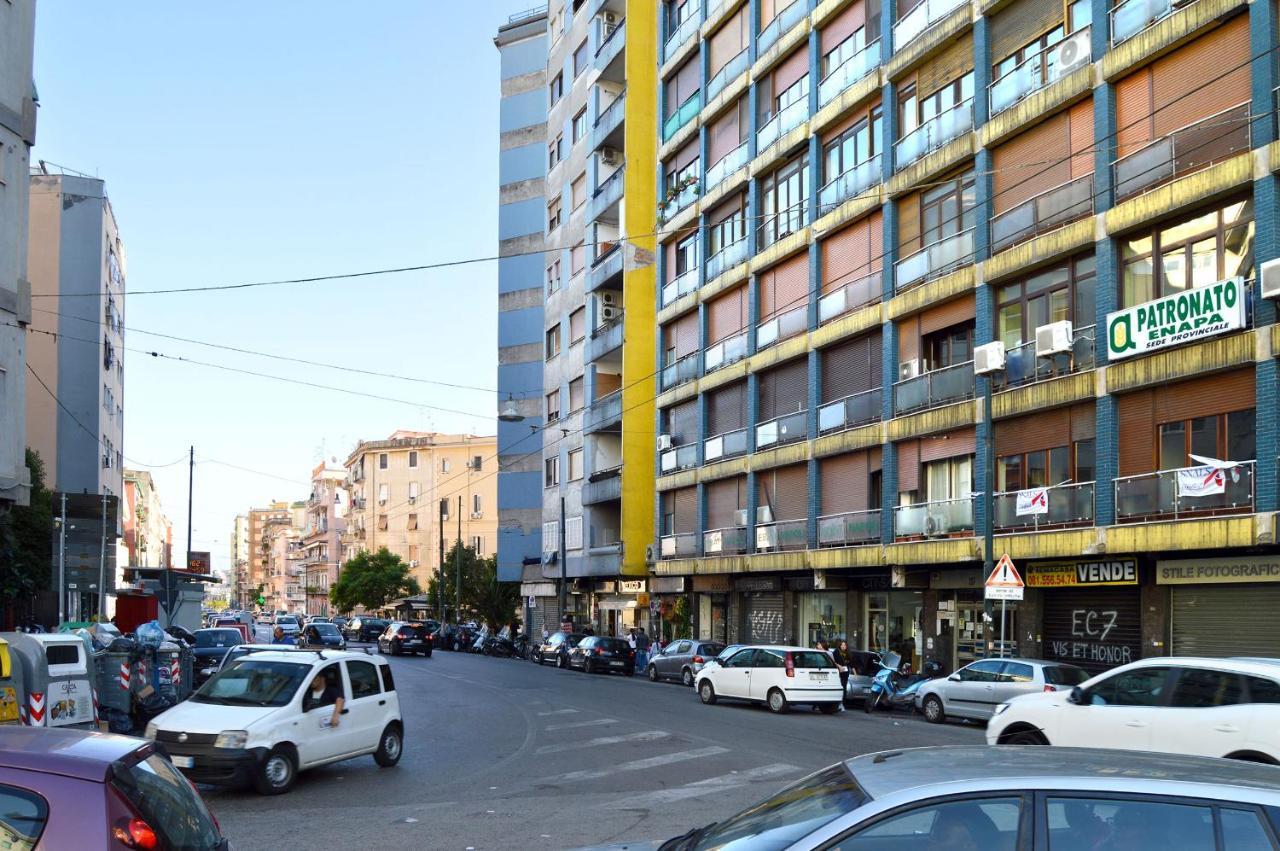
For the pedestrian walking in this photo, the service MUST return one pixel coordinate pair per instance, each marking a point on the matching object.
(842, 659)
(642, 648)
(278, 637)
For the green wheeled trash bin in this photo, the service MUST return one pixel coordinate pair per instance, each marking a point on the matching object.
(58, 677)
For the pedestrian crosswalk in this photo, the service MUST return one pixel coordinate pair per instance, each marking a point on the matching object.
(642, 736)
(641, 764)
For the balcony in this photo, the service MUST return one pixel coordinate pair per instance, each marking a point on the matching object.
(1022, 366)
(603, 205)
(686, 113)
(1065, 506)
(934, 133)
(1133, 16)
(783, 536)
(782, 122)
(851, 411)
(727, 445)
(849, 185)
(685, 194)
(939, 519)
(606, 268)
(725, 352)
(607, 131)
(684, 31)
(605, 339)
(727, 165)
(603, 486)
(782, 224)
(678, 458)
(609, 51)
(1183, 151)
(848, 73)
(850, 297)
(1168, 494)
(849, 529)
(732, 69)
(784, 326)
(784, 21)
(1046, 211)
(731, 540)
(682, 371)
(782, 430)
(1037, 71)
(940, 257)
(932, 389)
(683, 284)
(604, 413)
(726, 258)
(683, 545)
(911, 25)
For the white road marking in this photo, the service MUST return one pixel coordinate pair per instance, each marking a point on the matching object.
(599, 722)
(641, 764)
(558, 712)
(644, 736)
(709, 786)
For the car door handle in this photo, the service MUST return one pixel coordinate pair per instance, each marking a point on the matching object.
(1227, 728)
(382, 703)
(1135, 723)
(344, 712)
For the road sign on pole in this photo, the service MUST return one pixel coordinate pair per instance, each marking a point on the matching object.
(1004, 584)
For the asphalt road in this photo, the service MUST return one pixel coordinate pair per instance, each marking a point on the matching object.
(500, 753)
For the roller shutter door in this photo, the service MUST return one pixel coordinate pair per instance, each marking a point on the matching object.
(762, 618)
(1093, 628)
(1226, 620)
(544, 615)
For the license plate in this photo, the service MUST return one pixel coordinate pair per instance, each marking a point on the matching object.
(184, 761)
(817, 675)
(616, 664)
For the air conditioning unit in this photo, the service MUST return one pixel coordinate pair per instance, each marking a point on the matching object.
(608, 314)
(740, 517)
(650, 557)
(764, 514)
(1053, 339)
(988, 358)
(936, 525)
(1271, 278)
(1073, 52)
(610, 156)
(908, 369)
(664, 442)
(413, 563)
(610, 19)
(608, 298)
(476, 515)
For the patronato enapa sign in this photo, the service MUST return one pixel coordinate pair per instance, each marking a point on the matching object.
(1182, 317)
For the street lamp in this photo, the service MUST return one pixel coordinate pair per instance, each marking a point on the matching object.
(509, 413)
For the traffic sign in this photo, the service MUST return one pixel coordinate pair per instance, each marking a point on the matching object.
(1004, 583)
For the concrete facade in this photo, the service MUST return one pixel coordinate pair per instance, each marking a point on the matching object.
(148, 534)
(322, 535)
(238, 575)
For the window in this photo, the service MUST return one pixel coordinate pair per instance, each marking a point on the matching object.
(477, 545)
(557, 88)
(577, 325)
(364, 679)
(1139, 687)
(413, 552)
(785, 193)
(445, 465)
(914, 111)
(1080, 823)
(949, 478)
(444, 509)
(948, 347)
(990, 823)
(382, 522)
(1209, 248)
(575, 464)
(679, 11)
(794, 93)
(1017, 672)
(854, 146)
(1263, 691)
(555, 151)
(1040, 469)
(947, 210)
(580, 124)
(412, 523)
(25, 815)
(686, 254)
(573, 533)
(553, 341)
(577, 258)
(796, 811)
(553, 405)
(553, 277)
(844, 51)
(1041, 68)
(551, 473)
(577, 398)
(1227, 437)
(382, 461)
(679, 179)
(413, 458)
(383, 493)
(1198, 688)
(578, 190)
(477, 463)
(726, 232)
(413, 491)
(553, 215)
(580, 58)
(475, 503)
(1062, 292)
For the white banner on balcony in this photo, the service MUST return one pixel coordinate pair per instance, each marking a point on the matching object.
(1201, 481)
(1033, 501)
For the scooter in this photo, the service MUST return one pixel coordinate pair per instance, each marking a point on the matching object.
(895, 687)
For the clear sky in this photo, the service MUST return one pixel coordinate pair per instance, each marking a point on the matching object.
(246, 141)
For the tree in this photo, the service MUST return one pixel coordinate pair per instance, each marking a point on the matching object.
(372, 580)
(26, 540)
(482, 595)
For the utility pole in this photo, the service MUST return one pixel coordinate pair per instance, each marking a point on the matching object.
(457, 558)
(102, 565)
(62, 565)
(564, 573)
(444, 503)
(191, 483)
(988, 524)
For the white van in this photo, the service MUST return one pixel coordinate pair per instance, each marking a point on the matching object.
(256, 721)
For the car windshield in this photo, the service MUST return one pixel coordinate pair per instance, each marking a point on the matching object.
(781, 820)
(217, 637)
(167, 802)
(711, 650)
(286, 621)
(254, 682)
(325, 628)
(1064, 675)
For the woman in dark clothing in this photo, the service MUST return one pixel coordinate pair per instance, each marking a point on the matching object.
(842, 659)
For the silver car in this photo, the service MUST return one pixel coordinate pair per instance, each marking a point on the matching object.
(978, 688)
(1028, 797)
(682, 660)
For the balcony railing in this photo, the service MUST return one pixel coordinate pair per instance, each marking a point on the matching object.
(911, 25)
(1066, 506)
(851, 411)
(939, 519)
(784, 223)
(681, 372)
(607, 195)
(850, 297)
(726, 258)
(602, 486)
(612, 42)
(683, 545)
(849, 185)
(782, 430)
(682, 199)
(603, 412)
(1046, 211)
(731, 540)
(934, 133)
(783, 122)
(725, 445)
(782, 536)
(848, 529)
(931, 389)
(683, 284)
(725, 352)
(946, 254)
(727, 165)
(1023, 366)
(785, 20)
(848, 72)
(684, 31)
(784, 326)
(1035, 72)
(1133, 16)
(606, 338)
(607, 266)
(679, 458)
(1164, 495)
(682, 116)
(1183, 151)
(730, 72)
(608, 120)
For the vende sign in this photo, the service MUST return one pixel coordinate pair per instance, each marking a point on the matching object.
(1183, 317)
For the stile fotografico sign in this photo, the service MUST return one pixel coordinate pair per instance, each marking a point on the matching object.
(1182, 317)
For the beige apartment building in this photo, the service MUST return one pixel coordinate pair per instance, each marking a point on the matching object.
(258, 574)
(321, 538)
(397, 487)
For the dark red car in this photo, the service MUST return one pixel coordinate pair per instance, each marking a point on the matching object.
(81, 789)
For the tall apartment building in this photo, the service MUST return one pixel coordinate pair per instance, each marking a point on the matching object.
(939, 270)
(522, 166)
(17, 135)
(148, 534)
(238, 575)
(258, 572)
(397, 487)
(282, 547)
(76, 263)
(322, 535)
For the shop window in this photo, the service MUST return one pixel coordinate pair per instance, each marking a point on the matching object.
(1060, 293)
(1208, 248)
(1225, 437)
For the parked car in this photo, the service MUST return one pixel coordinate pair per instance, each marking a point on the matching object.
(975, 690)
(256, 722)
(454, 636)
(246, 632)
(310, 619)
(961, 798)
(401, 637)
(557, 646)
(322, 635)
(288, 624)
(863, 667)
(365, 629)
(776, 676)
(682, 660)
(728, 651)
(1203, 707)
(63, 788)
(599, 653)
(339, 621)
(210, 647)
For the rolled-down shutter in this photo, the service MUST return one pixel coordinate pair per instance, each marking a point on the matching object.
(728, 41)
(784, 491)
(853, 253)
(908, 466)
(947, 67)
(1226, 620)
(762, 618)
(951, 445)
(682, 335)
(844, 483)
(682, 422)
(1032, 162)
(1033, 432)
(842, 26)
(1022, 23)
(727, 409)
(1200, 80)
(945, 315)
(686, 510)
(791, 69)
(726, 316)
(726, 133)
(851, 367)
(784, 287)
(784, 390)
(1093, 628)
(683, 157)
(724, 499)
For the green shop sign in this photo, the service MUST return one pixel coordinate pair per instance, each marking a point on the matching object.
(1183, 317)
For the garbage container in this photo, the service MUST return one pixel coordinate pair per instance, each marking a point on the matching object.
(11, 691)
(168, 669)
(57, 676)
(187, 673)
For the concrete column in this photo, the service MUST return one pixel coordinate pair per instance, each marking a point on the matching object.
(815, 503)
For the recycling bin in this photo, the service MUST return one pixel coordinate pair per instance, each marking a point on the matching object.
(11, 690)
(114, 679)
(57, 675)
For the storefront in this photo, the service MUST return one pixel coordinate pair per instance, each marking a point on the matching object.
(670, 615)
(761, 607)
(962, 634)
(821, 615)
(542, 608)
(894, 615)
(1223, 606)
(711, 607)
(617, 606)
(1092, 611)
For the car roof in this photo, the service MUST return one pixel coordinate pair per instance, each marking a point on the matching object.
(281, 653)
(83, 754)
(1263, 667)
(782, 647)
(1048, 663)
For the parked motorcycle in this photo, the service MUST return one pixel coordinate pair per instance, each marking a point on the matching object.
(895, 687)
(499, 645)
(520, 646)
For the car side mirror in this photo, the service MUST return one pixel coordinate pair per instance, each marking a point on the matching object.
(1077, 696)
(955, 678)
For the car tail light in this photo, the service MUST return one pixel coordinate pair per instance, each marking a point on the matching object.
(790, 662)
(128, 828)
(599, 651)
(1050, 688)
(698, 660)
(631, 654)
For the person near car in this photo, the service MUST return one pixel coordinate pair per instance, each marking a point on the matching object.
(587, 630)
(642, 648)
(842, 659)
(324, 693)
(278, 637)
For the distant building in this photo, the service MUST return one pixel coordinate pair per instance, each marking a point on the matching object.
(147, 531)
(238, 578)
(257, 573)
(321, 537)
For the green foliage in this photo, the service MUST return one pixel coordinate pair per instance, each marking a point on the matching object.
(26, 539)
(372, 580)
(483, 597)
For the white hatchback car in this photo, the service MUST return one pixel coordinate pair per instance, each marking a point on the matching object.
(775, 676)
(1201, 707)
(256, 721)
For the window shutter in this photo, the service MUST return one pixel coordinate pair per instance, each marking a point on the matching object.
(945, 315)
(727, 315)
(908, 466)
(791, 69)
(727, 409)
(686, 510)
(725, 135)
(844, 25)
(682, 335)
(682, 422)
(853, 253)
(845, 479)
(1033, 162)
(784, 390)
(953, 444)
(784, 491)
(1194, 82)
(724, 499)
(784, 287)
(1022, 23)
(728, 41)
(851, 367)
(947, 67)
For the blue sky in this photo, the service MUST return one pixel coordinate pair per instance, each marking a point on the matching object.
(254, 141)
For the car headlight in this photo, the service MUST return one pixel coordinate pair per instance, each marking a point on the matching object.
(1000, 709)
(232, 739)
(151, 730)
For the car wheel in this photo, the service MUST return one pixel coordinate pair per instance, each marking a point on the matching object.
(427, 652)
(560, 661)
(1026, 737)
(829, 708)
(397, 649)
(653, 674)
(933, 712)
(277, 773)
(870, 702)
(777, 701)
(390, 746)
(707, 692)
(686, 677)
(457, 645)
